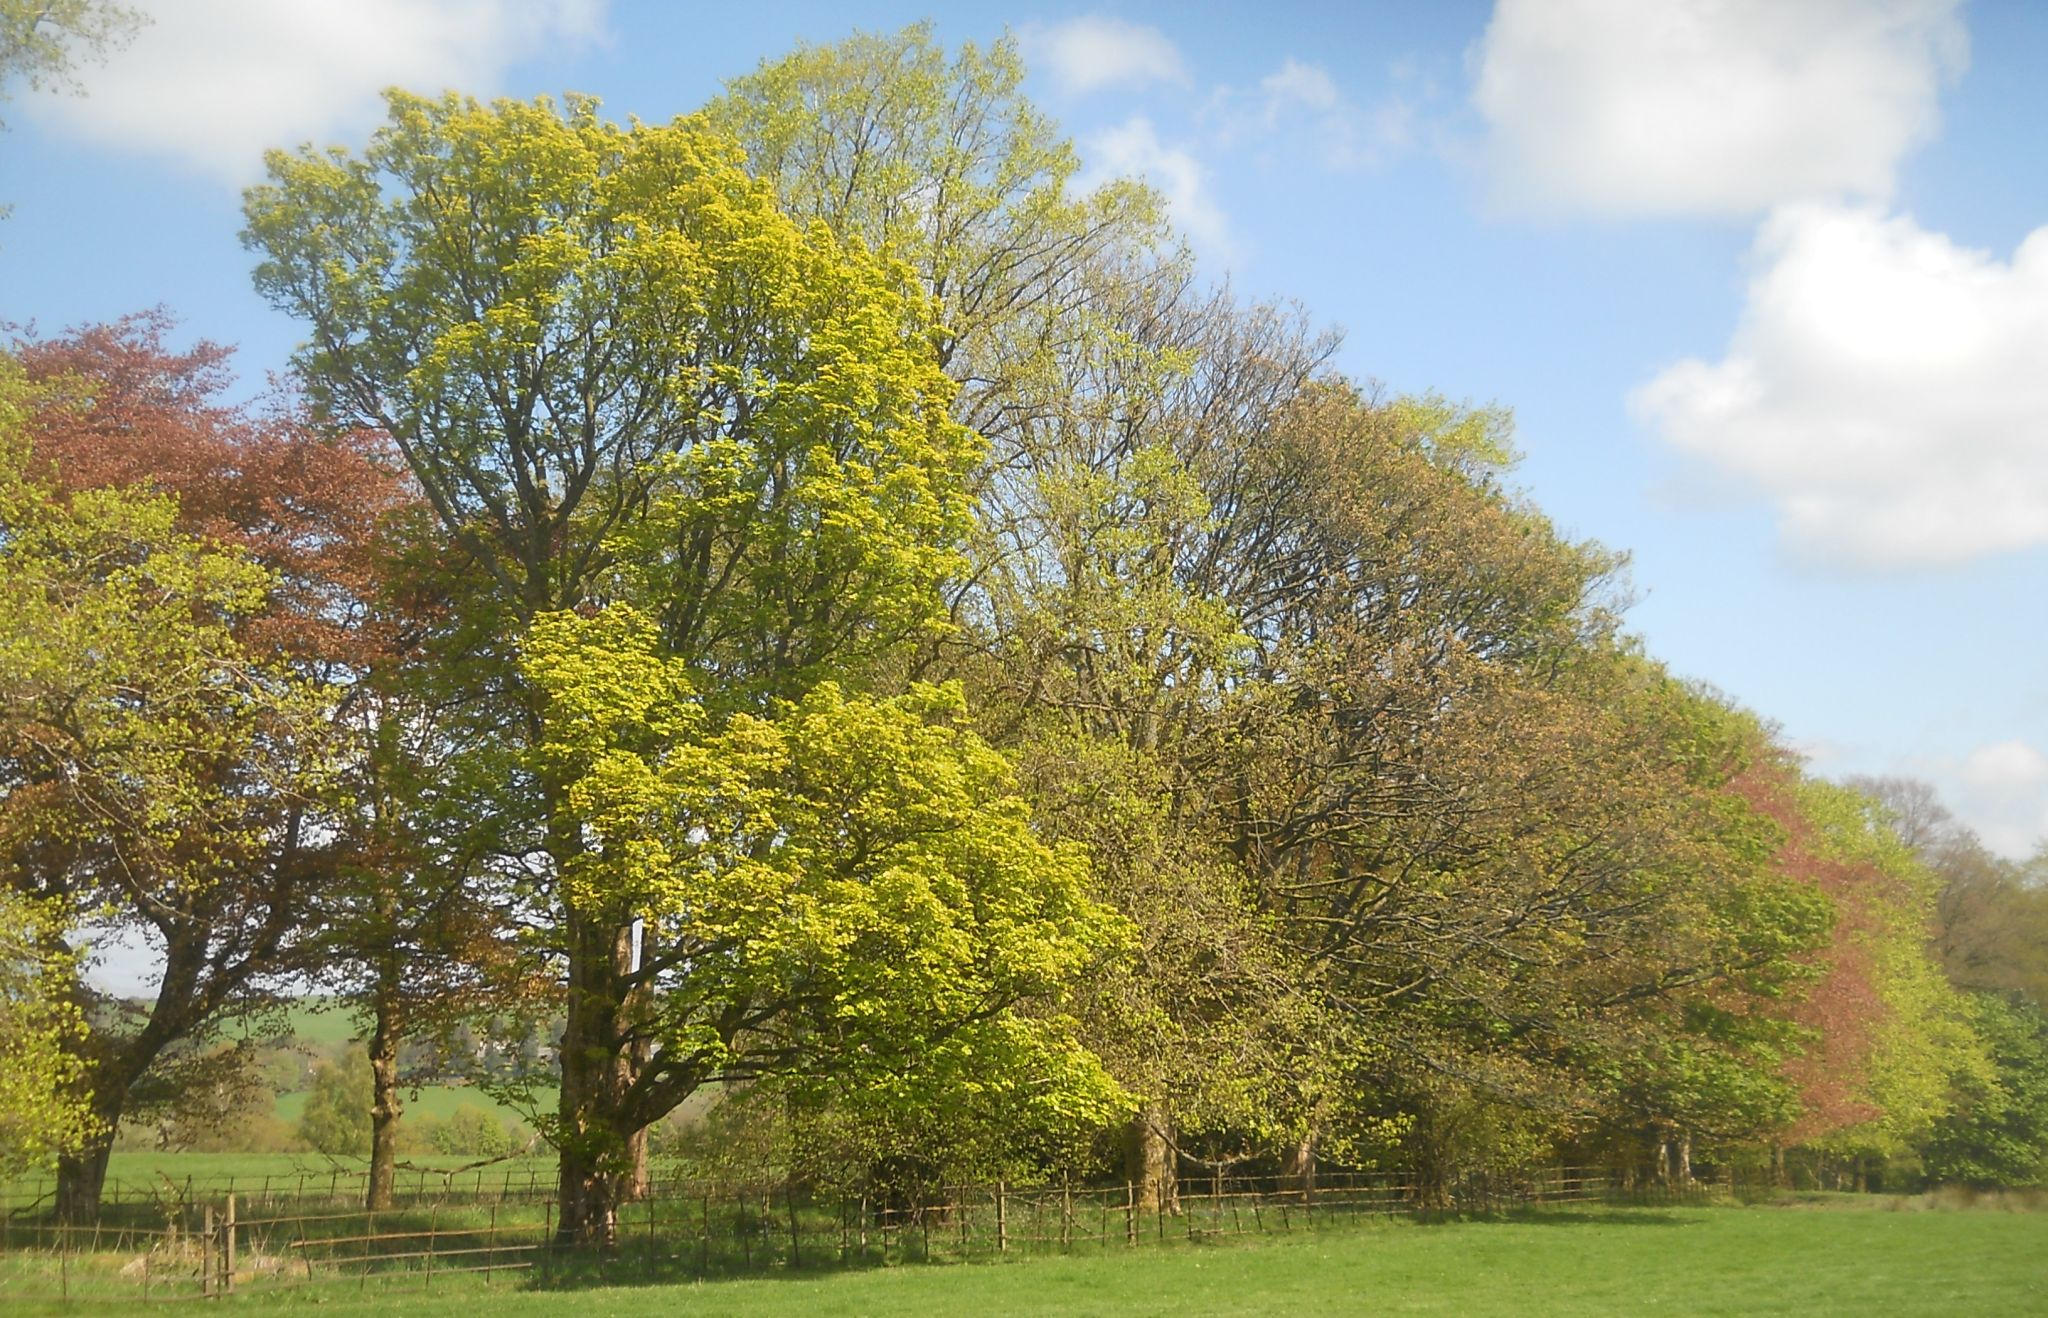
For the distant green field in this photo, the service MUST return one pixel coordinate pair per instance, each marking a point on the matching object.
(322, 1022)
(144, 1166)
(439, 1101)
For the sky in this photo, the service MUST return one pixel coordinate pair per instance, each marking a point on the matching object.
(1764, 282)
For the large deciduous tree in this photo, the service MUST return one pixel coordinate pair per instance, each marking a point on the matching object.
(704, 455)
(156, 770)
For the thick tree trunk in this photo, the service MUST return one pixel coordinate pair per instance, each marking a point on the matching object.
(82, 1175)
(385, 1105)
(1683, 1146)
(596, 1132)
(1149, 1159)
(591, 1190)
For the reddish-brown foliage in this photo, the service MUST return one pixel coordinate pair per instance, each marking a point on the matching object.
(1842, 1008)
(126, 409)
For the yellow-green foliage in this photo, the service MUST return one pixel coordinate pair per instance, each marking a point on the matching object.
(42, 1112)
(854, 876)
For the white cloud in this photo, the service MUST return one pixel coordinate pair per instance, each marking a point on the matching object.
(1089, 53)
(214, 82)
(1709, 106)
(2006, 768)
(1300, 103)
(1884, 387)
(2000, 791)
(1133, 149)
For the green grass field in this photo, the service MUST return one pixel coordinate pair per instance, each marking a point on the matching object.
(438, 1101)
(1712, 1261)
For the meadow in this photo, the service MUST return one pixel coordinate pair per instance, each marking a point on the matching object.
(1840, 1257)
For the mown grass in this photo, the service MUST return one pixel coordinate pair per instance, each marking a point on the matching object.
(1624, 1261)
(1710, 1261)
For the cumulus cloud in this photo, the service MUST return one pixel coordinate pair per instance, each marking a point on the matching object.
(1090, 53)
(2006, 767)
(2000, 791)
(212, 83)
(1723, 107)
(1134, 149)
(1301, 103)
(1884, 387)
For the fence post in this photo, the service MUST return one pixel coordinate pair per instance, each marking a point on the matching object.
(1002, 1219)
(433, 1241)
(206, 1244)
(1130, 1213)
(491, 1246)
(227, 1272)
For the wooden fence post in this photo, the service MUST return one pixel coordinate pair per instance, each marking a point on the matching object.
(227, 1253)
(1002, 1219)
(206, 1243)
(1130, 1213)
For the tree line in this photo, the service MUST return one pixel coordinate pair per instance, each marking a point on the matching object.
(842, 623)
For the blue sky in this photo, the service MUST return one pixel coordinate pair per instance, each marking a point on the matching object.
(1756, 276)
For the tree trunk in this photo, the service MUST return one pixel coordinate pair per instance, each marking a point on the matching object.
(639, 1178)
(1683, 1145)
(385, 1105)
(82, 1174)
(1149, 1158)
(591, 1191)
(1434, 1171)
(1299, 1172)
(596, 1133)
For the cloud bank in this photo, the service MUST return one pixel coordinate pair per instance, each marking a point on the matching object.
(212, 83)
(1885, 388)
(1714, 107)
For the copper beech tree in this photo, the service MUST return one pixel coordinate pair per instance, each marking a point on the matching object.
(240, 899)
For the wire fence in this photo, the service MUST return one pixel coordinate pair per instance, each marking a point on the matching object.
(486, 1234)
(524, 1180)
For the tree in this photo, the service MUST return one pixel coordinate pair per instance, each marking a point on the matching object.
(157, 771)
(40, 39)
(945, 165)
(1997, 1135)
(621, 376)
(844, 891)
(1890, 1040)
(43, 1112)
(336, 1119)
